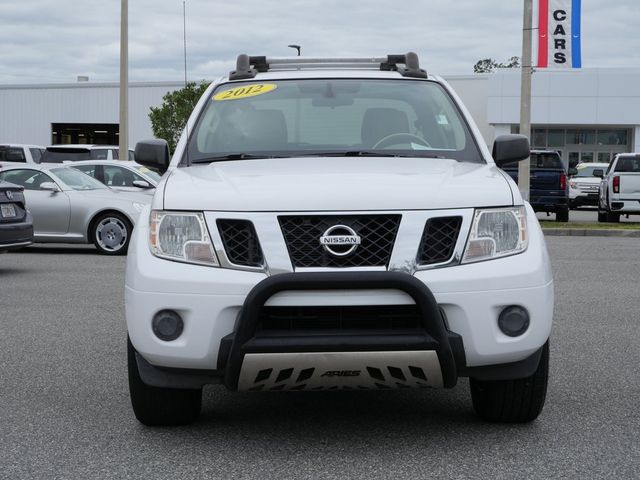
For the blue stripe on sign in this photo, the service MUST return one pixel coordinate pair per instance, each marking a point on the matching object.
(576, 53)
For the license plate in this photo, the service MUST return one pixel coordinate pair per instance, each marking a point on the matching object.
(8, 210)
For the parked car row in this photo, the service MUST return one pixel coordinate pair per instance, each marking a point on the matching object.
(21, 153)
(82, 202)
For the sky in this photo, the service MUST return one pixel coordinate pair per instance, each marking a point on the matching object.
(54, 41)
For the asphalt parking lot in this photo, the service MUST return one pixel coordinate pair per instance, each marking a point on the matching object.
(66, 414)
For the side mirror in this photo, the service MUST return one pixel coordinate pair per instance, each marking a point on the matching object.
(49, 186)
(142, 184)
(153, 153)
(598, 172)
(572, 171)
(510, 148)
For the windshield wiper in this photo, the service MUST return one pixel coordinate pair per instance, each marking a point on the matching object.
(367, 153)
(235, 156)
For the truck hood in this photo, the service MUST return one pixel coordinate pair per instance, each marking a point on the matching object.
(336, 184)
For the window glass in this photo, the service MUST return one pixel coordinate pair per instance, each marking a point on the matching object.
(586, 157)
(604, 157)
(587, 171)
(628, 164)
(149, 173)
(99, 153)
(119, 176)
(36, 154)
(545, 160)
(62, 154)
(612, 137)
(76, 179)
(581, 137)
(29, 179)
(556, 138)
(315, 117)
(539, 137)
(12, 154)
(87, 169)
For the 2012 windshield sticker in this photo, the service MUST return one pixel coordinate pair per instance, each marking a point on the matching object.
(244, 92)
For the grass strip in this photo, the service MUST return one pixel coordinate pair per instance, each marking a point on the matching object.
(589, 226)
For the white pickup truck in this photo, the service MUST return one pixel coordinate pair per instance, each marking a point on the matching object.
(620, 188)
(336, 224)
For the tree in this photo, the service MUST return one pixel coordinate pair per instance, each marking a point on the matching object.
(487, 65)
(168, 120)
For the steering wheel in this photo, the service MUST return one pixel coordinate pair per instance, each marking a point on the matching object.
(397, 139)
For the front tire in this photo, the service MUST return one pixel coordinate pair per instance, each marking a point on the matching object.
(512, 401)
(111, 233)
(156, 406)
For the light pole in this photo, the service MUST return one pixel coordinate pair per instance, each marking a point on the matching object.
(525, 95)
(123, 142)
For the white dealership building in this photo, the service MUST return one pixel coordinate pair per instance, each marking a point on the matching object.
(586, 114)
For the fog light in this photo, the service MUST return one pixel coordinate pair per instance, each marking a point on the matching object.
(513, 321)
(167, 325)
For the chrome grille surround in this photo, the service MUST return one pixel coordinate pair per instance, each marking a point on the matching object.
(403, 255)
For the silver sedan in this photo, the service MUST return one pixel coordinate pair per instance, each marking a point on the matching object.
(71, 207)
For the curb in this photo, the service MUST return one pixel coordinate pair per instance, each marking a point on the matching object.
(590, 232)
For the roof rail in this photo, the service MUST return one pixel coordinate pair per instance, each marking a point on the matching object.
(248, 67)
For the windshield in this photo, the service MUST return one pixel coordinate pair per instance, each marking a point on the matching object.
(59, 155)
(587, 171)
(331, 116)
(76, 179)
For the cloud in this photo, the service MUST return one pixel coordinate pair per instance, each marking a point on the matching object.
(51, 41)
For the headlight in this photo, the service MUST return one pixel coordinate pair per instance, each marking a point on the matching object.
(181, 236)
(138, 206)
(572, 184)
(495, 233)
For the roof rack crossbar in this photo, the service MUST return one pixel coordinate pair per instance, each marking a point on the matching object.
(248, 67)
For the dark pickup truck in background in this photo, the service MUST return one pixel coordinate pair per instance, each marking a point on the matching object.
(548, 183)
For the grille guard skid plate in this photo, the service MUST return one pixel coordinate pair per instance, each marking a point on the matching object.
(244, 342)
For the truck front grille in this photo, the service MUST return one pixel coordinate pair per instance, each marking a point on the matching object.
(439, 240)
(240, 242)
(340, 318)
(302, 236)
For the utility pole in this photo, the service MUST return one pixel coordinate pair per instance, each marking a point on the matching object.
(525, 95)
(124, 81)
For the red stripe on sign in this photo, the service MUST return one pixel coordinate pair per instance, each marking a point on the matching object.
(543, 34)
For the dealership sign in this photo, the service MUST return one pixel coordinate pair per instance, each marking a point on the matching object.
(559, 34)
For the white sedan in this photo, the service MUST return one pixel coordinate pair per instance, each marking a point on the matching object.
(121, 175)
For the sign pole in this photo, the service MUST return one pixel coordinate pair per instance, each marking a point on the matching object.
(123, 142)
(525, 95)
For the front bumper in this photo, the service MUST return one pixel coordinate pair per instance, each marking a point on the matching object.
(212, 303)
